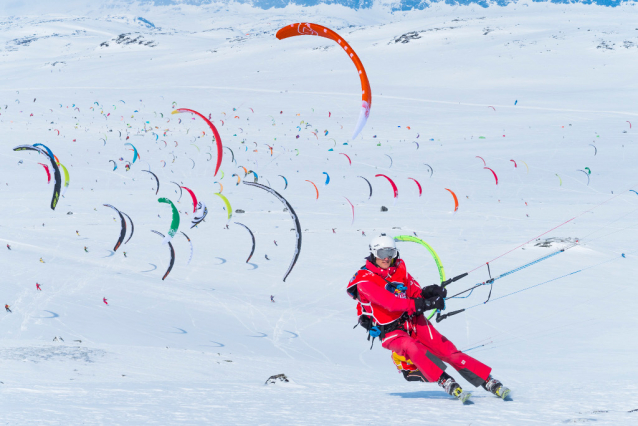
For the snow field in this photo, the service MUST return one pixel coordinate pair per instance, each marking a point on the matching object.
(197, 347)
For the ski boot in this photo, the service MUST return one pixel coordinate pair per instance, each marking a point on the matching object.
(452, 388)
(494, 386)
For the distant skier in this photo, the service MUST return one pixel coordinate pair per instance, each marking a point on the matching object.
(104, 300)
(272, 298)
(8, 246)
(77, 232)
(86, 249)
(124, 254)
(275, 241)
(266, 257)
(37, 287)
(333, 230)
(41, 260)
(6, 307)
(363, 233)
(391, 307)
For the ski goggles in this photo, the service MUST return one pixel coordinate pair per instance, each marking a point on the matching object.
(386, 252)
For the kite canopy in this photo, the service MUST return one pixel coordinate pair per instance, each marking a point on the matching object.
(218, 139)
(229, 209)
(294, 217)
(493, 173)
(306, 28)
(46, 168)
(369, 185)
(172, 250)
(252, 251)
(394, 187)
(193, 198)
(122, 228)
(174, 222)
(66, 177)
(198, 217)
(456, 200)
(56, 170)
(156, 179)
(418, 185)
(135, 154)
(191, 244)
(317, 190)
(435, 256)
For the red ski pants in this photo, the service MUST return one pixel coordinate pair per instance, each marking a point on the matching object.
(426, 348)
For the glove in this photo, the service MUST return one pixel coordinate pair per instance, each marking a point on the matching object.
(433, 290)
(421, 305)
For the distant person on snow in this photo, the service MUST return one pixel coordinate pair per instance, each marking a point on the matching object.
(8, 246)
(6, 307)
(37, 287)
(104, 300)
(272, 298)
(391, 306)
(41, 261)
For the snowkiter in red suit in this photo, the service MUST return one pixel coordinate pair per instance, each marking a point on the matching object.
(391, 306)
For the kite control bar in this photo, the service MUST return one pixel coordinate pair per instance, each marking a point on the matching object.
(451, 280)
(440, 317)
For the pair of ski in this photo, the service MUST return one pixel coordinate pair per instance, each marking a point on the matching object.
(503, 393)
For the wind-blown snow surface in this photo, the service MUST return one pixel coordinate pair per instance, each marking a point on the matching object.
(537, 84)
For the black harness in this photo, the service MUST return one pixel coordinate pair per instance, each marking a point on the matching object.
(368, 323)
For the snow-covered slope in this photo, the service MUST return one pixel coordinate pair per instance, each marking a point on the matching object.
(550, 87)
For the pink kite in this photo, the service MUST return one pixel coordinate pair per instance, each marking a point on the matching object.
(417, 184)
(46, 168)
(193, 197)
(347, 157)
(352, 210)
(394, 187)
(495, 177)
(218, 138)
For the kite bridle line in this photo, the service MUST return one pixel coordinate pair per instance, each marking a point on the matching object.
(490, 281)
(617, 257)
(550, 230)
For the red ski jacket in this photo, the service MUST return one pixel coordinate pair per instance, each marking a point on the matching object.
(385, 294)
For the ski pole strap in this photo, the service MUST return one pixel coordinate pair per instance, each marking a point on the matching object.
(451, 280)
(440, 317)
